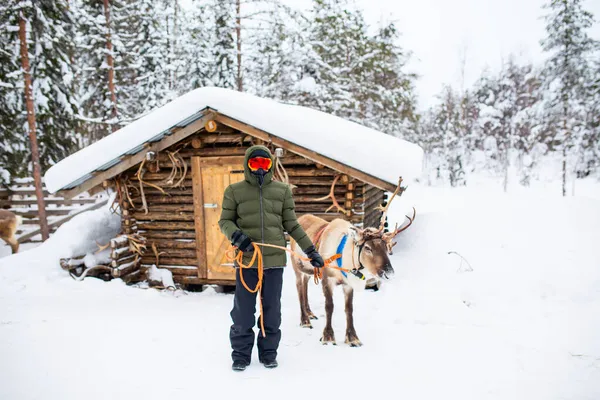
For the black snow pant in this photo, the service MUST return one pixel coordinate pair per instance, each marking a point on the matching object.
(241, 333)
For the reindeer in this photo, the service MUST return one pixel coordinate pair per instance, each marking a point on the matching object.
(363, 250)
(8, 227)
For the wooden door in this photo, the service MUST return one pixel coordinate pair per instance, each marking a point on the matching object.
(210, 178)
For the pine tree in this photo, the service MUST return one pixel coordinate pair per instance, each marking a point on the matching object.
(508, 117)
(273, 54)
(151, 72)
(102, 59)
(385, 92)
(224, 71)
(589, 162)
(338, 36)
(13, 138)
(448, 121)
(49, 29)
(568, 45)
(197, 47)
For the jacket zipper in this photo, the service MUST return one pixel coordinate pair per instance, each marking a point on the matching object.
(262, 222)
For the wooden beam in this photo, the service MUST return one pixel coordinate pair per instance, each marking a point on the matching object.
(130, 161)
(312, 155)
(199, 218)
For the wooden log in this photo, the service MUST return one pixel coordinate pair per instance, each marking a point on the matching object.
(166, 235)
(311, 181)
(174, 208)
(71, 263)
(310, 172)
(123, 260)
(140, 216)
(196, 142)
(212, 151)
(317, 190)
(308, 208)
(119, 241)
(160, 182)
(164, 200)
(125, 269)
(150, 259)
(292, 160)
(223, 137)
(120, 253)
(171, 244)
(136, 276)
(175, 253)
(166, 226)
(190, 280)
(299, 199)
(373, 201)
(176, 191)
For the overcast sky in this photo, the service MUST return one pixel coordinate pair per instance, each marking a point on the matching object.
(438, 32)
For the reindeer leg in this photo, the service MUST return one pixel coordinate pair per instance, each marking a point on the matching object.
(328, 335)
(301, 285)
(13, 243)
(351, 337)
(309, 312)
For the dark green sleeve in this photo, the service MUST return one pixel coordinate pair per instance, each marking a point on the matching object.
(290, 222)
(227, 222)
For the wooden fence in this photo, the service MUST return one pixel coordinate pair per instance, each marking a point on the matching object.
(20, 198)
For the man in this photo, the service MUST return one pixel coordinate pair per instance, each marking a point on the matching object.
(259, 209)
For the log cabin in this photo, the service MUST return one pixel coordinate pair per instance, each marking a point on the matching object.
(169, 170)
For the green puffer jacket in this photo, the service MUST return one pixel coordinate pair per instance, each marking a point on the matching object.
(262, 213)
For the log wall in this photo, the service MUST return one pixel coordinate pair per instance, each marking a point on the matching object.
(168, 222)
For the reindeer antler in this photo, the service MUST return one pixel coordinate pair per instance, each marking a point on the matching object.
(332, 196)
(388, 236)
(399, 189)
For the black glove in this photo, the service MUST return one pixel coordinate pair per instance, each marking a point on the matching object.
(315, 258)
(242, 242)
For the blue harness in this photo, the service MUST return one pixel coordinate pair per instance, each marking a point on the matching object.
(340, 251)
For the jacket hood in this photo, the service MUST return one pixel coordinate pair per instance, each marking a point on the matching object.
(248, 175)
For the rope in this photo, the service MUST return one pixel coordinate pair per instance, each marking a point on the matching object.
(258, 258)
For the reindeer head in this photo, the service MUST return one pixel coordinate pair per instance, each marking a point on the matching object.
(388, 237)
(372, 251)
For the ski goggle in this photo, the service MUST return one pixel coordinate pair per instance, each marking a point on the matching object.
(256, 163)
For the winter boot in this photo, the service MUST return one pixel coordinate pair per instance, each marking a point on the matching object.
(270, 363)
(239, 365)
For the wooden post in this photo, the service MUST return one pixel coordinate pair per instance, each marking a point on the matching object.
(110, 63)
(35, 156)
(199, 218)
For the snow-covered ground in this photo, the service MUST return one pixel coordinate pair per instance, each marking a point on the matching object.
(522, 324)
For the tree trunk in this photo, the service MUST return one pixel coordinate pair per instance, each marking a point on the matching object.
(35, 156)
(111, 68)
(238, 32)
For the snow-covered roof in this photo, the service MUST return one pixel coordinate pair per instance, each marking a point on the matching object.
(383, 156)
